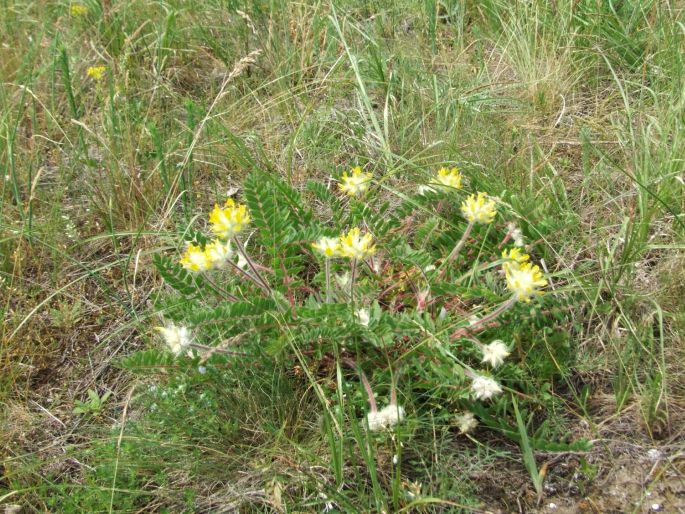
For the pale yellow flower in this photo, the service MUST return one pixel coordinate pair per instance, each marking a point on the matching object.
(229, 220)
(176, 338)
(513, 259)
(525, 281)
(195, 259)
(356, 246)
(96, 72)
(479, 209)
(78, 10)
(329, 247)
(448, 177)
(356, 183)
(218, 252)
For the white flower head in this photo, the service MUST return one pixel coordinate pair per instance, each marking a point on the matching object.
(516, 235)
(484, 388)
(176, 338)
(466, 422)
(385, 418)
(495, 353)
(363, 317)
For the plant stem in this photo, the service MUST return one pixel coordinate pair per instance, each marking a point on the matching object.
(499, 310)
(222, 292)
(352, 279)
(264, 285)
(327, 264)
(453, 255)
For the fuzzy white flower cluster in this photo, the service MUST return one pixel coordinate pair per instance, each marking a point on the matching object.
(466, 422)
(178, 339)
(495, 353)
(484, 388)
(385, 418)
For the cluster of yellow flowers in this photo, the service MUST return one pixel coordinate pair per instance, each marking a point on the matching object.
(523, 278)
(78, 10)
(448, 178)
(355, 183)
(352, 245)
(479, 209)
(96, 72)
(225, 222)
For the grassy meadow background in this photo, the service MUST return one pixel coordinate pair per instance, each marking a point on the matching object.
(572, 111)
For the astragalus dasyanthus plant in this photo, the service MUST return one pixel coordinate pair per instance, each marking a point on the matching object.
(403, 297)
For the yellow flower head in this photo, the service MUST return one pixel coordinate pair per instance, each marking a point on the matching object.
(329, 247)
(513, 258)
(96, 72)
(356, 183)
(218, 252)
(525, 280)
(449, 178)
(356, 246)
(229, 220)
(78, 10)
(479, 209)
(195, 259)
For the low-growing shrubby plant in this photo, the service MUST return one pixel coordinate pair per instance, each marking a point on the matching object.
(425, 300)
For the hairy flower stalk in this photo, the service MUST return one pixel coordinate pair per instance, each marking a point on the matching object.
(255, 275)
(329, 247)
(355, 246)
(455, 252)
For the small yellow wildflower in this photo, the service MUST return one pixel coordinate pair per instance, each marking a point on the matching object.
(96, 72)
(218, 252)
(513, 259)
(356, 183)
(195, 259)
(479, 209)
(230, 220)
(448, 177)
(329, 247)
(78, 10)
(356, 246)
(525, 280)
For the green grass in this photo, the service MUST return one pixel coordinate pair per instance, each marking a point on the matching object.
(570, 111)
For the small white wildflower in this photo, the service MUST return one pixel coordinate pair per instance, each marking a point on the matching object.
(653, 454)
(363, 317)
(495, 353)
(443, 314)
(201, 370)
(176, 338)
(466, 422)
(395, 460)
(385, 418)
(484, 388)
(429, 268)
